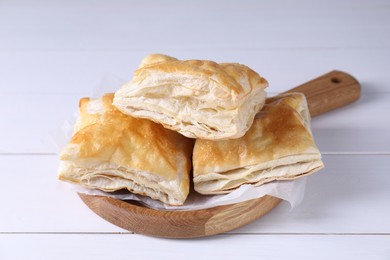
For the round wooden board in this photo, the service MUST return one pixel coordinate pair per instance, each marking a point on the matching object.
(325, 93)
(179, 224)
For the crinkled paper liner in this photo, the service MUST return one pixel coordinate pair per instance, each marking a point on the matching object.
(290, 191)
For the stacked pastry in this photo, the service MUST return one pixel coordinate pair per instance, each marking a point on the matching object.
(175, 115)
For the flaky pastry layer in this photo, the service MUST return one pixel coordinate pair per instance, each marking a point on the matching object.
(197, 98)
(278, 146)
(112, 151)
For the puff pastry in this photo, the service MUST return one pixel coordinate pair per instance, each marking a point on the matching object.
(112, 151)
(278, 146)
(197, 98)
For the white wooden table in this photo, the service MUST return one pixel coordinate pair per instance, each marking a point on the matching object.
(51, 54)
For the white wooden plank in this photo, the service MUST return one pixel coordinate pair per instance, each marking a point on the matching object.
(34, 200)
(195, 24)
(349, 196)
(78, 72)
(360, 127)
(111, 246)
(56, 52)
(29, 123)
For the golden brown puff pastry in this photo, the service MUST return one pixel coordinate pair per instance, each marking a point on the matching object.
(197, 98)
(278, 146)
(112, 151)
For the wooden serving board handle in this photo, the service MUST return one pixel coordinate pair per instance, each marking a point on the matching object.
(329, 91)
(325, 93)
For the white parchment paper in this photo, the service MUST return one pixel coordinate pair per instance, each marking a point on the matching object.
(290, 191)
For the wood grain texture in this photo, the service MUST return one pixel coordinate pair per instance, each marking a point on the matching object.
(330, 91)
(178, 224)
(54, 52)
(325, 93)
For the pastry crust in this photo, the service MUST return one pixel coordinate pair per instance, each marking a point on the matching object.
(112, 151)
(197, 98)
(278, 146)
